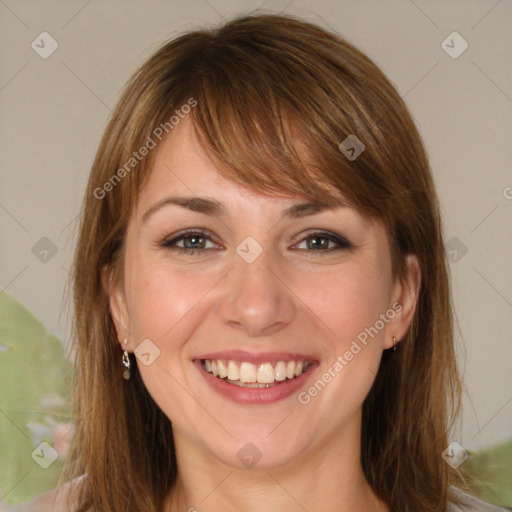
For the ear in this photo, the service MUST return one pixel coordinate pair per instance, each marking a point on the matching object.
(404, 299)
(117, 306)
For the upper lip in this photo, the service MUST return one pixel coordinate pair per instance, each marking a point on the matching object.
(255, 358)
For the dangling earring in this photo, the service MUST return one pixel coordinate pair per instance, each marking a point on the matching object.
(394, 343)
(126, 363)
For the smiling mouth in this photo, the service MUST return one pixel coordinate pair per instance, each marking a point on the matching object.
(248, 375)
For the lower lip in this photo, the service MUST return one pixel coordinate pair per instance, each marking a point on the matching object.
(256, 396)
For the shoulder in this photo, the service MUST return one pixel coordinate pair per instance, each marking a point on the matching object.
(61, 499)
(472, 504)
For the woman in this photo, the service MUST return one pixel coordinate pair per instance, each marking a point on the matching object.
(263, 312)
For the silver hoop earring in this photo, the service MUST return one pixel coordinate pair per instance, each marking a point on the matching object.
(394, 343)
(126, 363)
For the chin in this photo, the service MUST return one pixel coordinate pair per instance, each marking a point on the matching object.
(253, 448)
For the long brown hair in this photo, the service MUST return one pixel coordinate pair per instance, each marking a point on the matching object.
(274, 97)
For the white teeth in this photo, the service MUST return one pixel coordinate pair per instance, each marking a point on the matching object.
(280, 371)
(290, 370)
(223, 371)
(250, 375)
(265, 373)
(233, 373)
(247, 372)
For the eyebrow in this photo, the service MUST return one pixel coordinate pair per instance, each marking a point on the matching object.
(212, 207)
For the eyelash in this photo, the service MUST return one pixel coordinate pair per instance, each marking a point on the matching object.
(171, 243)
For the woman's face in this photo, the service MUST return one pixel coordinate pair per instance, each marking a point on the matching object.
(255, 288)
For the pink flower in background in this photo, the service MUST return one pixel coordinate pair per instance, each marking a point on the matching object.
(62, 437)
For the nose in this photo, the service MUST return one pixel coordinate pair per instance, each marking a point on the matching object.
(257, 299)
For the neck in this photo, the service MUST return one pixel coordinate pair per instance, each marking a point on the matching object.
(327, 478)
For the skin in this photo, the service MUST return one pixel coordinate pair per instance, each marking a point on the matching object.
(290, 299)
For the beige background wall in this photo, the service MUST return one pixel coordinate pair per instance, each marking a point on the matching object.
(55, 109)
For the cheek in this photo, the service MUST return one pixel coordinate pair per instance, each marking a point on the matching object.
(164, 306)
(346, 301)
(161, 298)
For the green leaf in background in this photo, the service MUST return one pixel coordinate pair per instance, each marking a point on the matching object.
(491, 474)
(35, 412)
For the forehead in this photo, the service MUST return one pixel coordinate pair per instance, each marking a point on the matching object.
(182, 168)
(182, 165)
